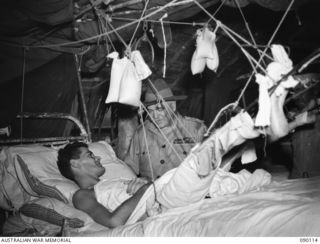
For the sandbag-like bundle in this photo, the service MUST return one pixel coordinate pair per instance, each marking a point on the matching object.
(130, 89)
(117, 70)
(125, 81)
(213, 63)
(206, 52)
(197, 64)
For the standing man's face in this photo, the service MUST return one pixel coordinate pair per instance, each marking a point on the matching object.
(160, 115)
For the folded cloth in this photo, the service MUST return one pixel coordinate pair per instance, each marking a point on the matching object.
(142, 69)
(225, 183)
(281, 66)
(249, 154)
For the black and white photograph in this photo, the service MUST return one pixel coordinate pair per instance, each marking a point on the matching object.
(159, 118)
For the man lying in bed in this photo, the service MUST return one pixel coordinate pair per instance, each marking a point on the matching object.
(184, 185)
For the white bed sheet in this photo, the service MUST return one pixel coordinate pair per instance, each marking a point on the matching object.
(283, 208)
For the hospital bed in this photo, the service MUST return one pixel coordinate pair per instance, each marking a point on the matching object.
(38, 200)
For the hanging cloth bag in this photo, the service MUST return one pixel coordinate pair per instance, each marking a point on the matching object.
(117, 72)
(130, 88)
(206, 52)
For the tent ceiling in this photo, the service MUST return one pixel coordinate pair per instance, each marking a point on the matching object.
(41, 22)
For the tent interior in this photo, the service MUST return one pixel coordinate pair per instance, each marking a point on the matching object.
(54, 59)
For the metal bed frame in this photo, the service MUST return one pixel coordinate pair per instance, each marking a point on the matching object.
(49, 140)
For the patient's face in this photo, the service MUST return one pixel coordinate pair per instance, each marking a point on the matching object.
(90, 162)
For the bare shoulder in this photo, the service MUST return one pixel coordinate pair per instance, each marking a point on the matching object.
(84, 199)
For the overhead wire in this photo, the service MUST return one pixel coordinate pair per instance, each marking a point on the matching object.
(247, 26)
(118, 35)
(171, 3)
(265, 50)
(164, 21)
(140, 19)
(146, 142)
(217, 10)
(226, 30)
(230, 32)
(165, 46)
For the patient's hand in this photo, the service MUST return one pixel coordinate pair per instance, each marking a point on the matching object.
(135, 184)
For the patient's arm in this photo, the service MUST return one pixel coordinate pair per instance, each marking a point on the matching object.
(85, 200)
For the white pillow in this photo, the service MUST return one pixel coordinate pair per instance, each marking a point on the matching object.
(103, 150)
(38, 173)
(115, 168)
(12, 194)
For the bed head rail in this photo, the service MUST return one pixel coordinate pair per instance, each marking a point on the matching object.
(49, 140)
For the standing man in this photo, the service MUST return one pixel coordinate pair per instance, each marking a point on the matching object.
(168, 136)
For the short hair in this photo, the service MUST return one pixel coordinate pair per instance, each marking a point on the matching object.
(70, 151)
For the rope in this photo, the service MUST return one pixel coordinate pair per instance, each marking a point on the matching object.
(228, 31)
(217, 10)
(217, 116)
(171, 3)
(164, 21)
(135, 31)
(247, 26)
(104, 22)
(106, 31)
(244, 89)
(164, 136)
(264, 52)
(165, 46)
(118, 35)
(146, 141)
(225, 28)
(22, 92)
(277, 28)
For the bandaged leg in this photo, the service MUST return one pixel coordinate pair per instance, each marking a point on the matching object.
(191, 180)
(279, 126)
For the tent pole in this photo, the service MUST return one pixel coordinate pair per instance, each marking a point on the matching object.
(83, 103)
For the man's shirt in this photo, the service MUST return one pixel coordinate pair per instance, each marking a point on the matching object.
(162, 156)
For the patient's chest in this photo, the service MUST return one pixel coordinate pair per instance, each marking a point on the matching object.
(111, 193)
